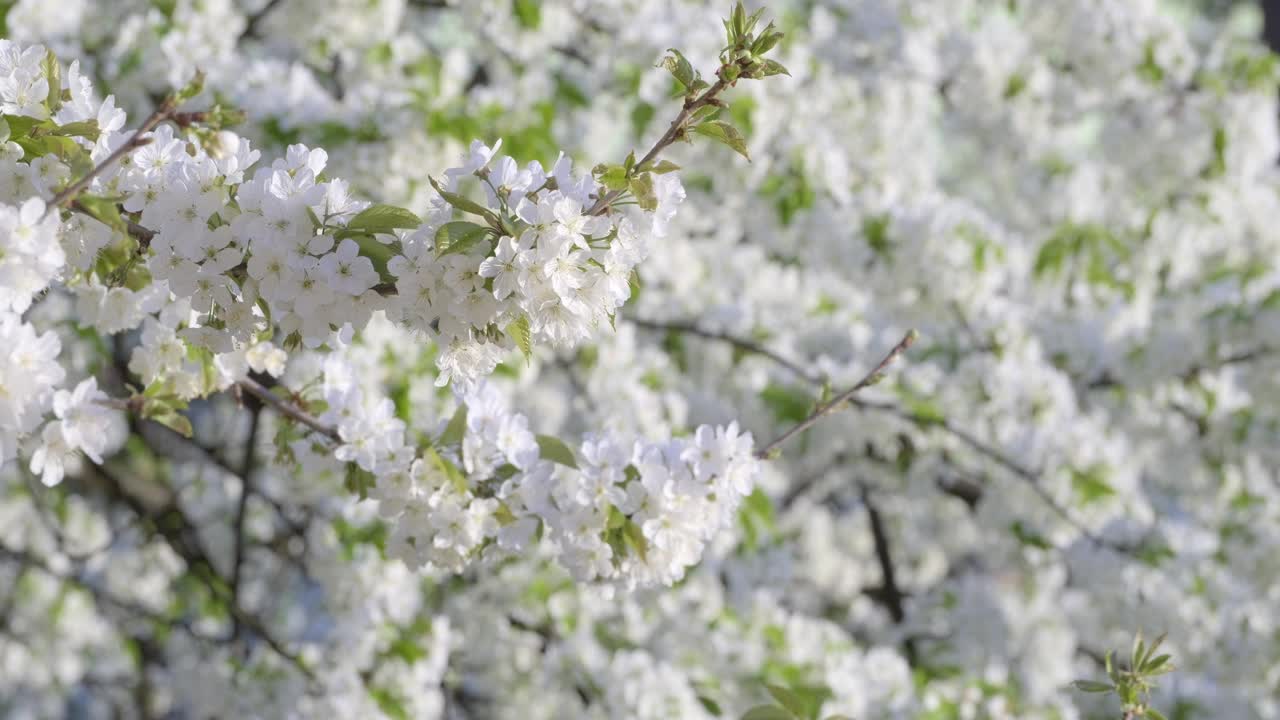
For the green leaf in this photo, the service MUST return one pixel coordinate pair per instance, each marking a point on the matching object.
(104, 210)
(175, 421)
(616, 520)
(723, 132)
(642, 188)
(518, 331)
(710, 705)
(450, 471)
(1091, 686)
(553, 449)
(766, 41)
(1153, 667)
(790, 405)
(190, 90)
(662, 167)
(87, 129)
(358, 481)
(633, 284)
(1090, 484)
(1155, 714)
(22, 125)
(379, 253)
(1029, 537)
(613, 177)
(528, 13)
(680, 68)
(383, 219)
(456, 429)
(768, 712)
(786, 698)
(458, 237)
(389, 703)
(706, 112)
(462, 202)
(53, 73)
(773, 67)
(4, 130)
(634, 535)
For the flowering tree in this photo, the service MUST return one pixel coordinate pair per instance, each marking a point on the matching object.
(622, 415)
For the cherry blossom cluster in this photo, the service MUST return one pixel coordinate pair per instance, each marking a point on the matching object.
(551, 270)
(631, 512)
(29, 378)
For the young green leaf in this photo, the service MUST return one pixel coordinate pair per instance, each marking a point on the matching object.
(768, 712)
(459, 236)
(773, 67)
(462, 202)
(613, 177)
(378, 253)
(679, 67)
(642, 188)
(104, 210)
(1091, 686)
(53, 73)
(723, 132)
(518, 331)
(553, 449)
(786, 698)
(662, 167)
(383, 219)
(456, 429)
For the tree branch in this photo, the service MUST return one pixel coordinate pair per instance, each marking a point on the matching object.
(242, 505)
(1030, 477)
(170, 523)
(135, 141)
(768, 451)
(256, 389)
(674, 132)
(254, 20)
(742, 344)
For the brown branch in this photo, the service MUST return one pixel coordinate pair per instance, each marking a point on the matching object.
(242, 503)
(768, 451)
(289, 410)
(675, 131)
(1030, 477)
(254, 20)
(101, 595)
(170, 523)
(738, 342)
(135, 141)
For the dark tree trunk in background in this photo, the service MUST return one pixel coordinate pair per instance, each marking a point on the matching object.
(1271, 10)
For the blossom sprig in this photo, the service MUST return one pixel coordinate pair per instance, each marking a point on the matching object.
(616, 509)
(285, 251)
(742, 58)
(1133, 684)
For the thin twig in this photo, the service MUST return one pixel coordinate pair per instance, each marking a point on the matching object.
(1030, 477)
(674, 132)
(26, 559)
(135, 141)
(242, 504)
(822, 410)
(289, 410)
(738, 342)
(170, 523)
(254, 20)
